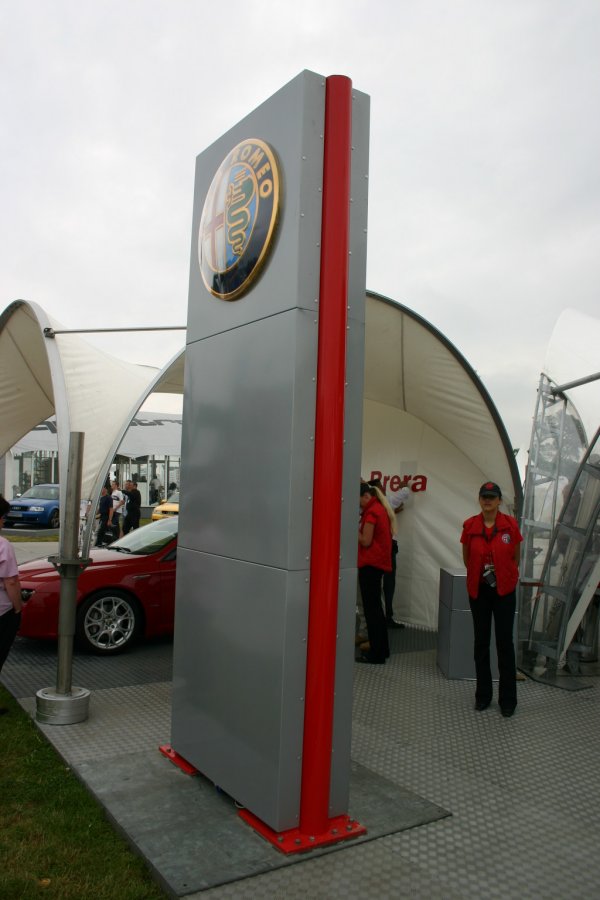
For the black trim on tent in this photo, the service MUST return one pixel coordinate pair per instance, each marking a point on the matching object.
(512, 464)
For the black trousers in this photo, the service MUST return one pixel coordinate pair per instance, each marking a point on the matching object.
(131, 521)
(101, 533)
(489, 605)
(369, 579)
(389, 584)
(9, 625)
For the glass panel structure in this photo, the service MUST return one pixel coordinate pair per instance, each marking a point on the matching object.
(561, 611)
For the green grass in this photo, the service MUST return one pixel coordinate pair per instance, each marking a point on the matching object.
(55, 840)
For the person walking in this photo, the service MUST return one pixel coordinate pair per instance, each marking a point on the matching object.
(11, 603)
(133, 503)
(491, 547)
(118, 501)
(374, 558)
(105, 505)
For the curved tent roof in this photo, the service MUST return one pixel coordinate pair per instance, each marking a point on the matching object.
(426, 415)
(88, 390)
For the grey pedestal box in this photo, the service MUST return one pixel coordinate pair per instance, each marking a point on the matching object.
(455, 628)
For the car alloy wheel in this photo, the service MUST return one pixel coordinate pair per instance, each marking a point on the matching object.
(108, 622)
(54, 519)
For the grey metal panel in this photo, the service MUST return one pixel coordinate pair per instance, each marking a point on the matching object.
(247, 447)
(453, 589)
(247, 473)
(344, 680)
(355, 345)
(291, 121)
(238, 679)
(455, 643)
(359, 194)
(353, 411)
(455, 628)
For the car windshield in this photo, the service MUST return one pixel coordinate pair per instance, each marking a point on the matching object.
(41, 492)
(173, 498)
(149, 538)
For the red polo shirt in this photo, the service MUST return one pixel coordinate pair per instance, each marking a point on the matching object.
(379, 553)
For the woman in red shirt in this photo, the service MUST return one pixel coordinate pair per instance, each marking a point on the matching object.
(491, 554)
(374, 558)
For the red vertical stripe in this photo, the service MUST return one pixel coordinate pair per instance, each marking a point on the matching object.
(329, 445)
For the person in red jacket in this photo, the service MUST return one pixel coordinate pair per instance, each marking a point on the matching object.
(374, 558)
(491, 546)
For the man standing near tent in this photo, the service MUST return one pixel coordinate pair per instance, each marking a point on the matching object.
(118, 501)
(133, 503)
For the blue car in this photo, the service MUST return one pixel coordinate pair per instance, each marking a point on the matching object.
(37, 506)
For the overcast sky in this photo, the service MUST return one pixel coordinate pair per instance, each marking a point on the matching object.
(484, 208)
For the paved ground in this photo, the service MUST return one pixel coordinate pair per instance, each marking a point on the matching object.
(33, 549)
(522, 792)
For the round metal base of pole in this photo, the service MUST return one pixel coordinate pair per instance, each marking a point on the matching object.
(62, 709)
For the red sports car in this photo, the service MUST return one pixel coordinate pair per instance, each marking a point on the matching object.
(127, 591)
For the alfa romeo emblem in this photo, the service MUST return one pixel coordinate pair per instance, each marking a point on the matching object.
(238, 219)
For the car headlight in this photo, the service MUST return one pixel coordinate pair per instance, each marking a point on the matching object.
(36, 509)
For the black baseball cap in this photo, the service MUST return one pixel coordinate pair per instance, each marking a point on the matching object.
(490, 489)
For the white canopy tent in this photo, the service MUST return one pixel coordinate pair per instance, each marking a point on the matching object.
(89, 391)
(426, 415)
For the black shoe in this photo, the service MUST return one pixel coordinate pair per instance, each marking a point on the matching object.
(391, 623)
(480, 705)
(365, 658)
(508, 711)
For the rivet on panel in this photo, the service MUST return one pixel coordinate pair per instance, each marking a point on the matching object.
(303, 157)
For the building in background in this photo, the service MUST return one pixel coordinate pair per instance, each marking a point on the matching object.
(150, 450)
